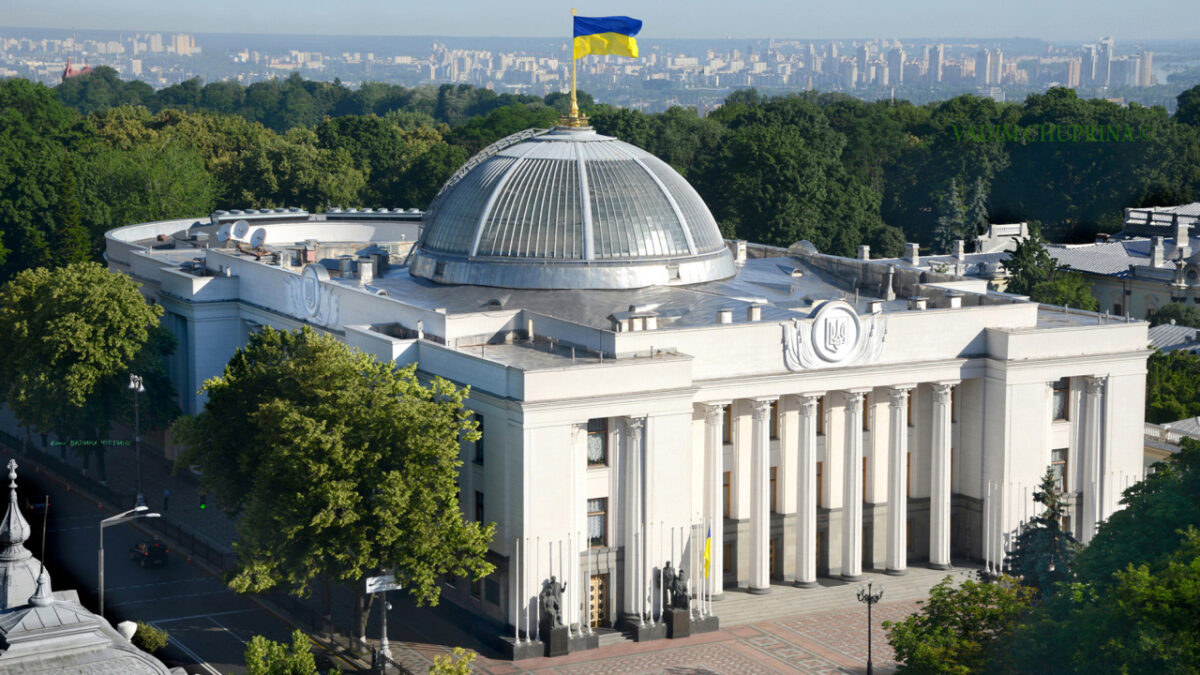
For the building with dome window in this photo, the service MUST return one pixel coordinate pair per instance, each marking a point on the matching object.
(644, 386)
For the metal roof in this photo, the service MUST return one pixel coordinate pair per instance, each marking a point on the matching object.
(1169, 337)
(559, 209)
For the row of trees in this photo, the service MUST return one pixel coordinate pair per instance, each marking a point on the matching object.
(1125, 603)
(99, 152)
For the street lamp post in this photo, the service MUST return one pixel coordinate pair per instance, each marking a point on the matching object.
(135, 383)
(866, 595)
(136, 512)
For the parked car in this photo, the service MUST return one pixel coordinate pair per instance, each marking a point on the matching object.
(149, 553)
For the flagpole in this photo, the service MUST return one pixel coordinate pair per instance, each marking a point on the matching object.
(573, 115)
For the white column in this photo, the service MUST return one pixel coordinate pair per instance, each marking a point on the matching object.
(1091, 487)
(631, 601)
(806, 493)
(939, 484)
(760, 498)
(852, 488)
(897, 533)
(714, 417)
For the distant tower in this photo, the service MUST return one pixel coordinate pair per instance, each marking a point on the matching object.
(983, 67)
(1145, 76)
(1087, 72)
(864, 57)
(1104, 59)
(895, 64)
(996, 67)
(935, 68)
(1073, 72)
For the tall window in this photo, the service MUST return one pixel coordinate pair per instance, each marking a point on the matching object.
(774, 419)
(774, 494)
(820, 484)
(727, 425)
(1062, 401)
(725, 492)
(597, 522)
(597, 441)
(953, 404)
(479, 507)
(479, 443)
(866, 412)
(912, 395)
(821, 416)
(1058, 467)
(908, 475)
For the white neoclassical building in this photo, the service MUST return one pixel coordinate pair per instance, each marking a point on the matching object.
(643, 385)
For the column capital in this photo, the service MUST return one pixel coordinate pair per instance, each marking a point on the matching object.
(854, 399)
(899, 396)
(635, 425)
(714, 411)
(760, 408)
(942, 389)
(809, 404)
(1095, 384)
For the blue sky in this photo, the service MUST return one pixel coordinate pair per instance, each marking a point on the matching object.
(1059, 20)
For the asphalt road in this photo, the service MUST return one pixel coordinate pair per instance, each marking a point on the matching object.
(208, 624)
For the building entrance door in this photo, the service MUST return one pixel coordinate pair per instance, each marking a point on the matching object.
(598, 597)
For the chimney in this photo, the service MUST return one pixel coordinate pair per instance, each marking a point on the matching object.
(651, 322)
(918, 303)
(876, 306)
(1183, 243)
(864, 252)
(913, 253)
(366, 270)
(346, 265)
(960, 250)
(1157, 255)
(890, 293)
(739, 252)
(754, 312)
(725, 315)
(955, 299)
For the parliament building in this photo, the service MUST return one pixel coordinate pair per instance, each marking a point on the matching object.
(644, 386)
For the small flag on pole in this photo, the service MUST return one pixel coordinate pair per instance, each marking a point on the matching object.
(707, 550)
(606, 35)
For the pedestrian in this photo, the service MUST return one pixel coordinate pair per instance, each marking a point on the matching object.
(166, 498)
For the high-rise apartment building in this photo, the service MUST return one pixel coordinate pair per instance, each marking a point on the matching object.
(983, 67)
(1145, 76)
(935, 67)
(1104, 57)
(895, 64)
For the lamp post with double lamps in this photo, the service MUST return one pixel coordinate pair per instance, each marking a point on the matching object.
(135, 383)
(867, 595)
(136, 512)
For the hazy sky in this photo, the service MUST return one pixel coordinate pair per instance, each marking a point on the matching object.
(1059, 20)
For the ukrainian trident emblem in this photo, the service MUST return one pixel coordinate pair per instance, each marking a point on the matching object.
(837, 331)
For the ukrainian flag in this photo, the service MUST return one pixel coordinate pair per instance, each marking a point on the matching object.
(707, 550)
(606, 35)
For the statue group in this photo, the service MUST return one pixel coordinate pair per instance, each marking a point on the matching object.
(674, 587)
(550, 604)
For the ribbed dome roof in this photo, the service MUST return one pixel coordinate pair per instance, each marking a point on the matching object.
(569, 208)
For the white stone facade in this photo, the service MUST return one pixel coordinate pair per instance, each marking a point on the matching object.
(823, 430)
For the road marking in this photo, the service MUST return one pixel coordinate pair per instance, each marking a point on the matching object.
(225, 628)
(199, 661)
(201, 616)
(108, 589)
(167, 597)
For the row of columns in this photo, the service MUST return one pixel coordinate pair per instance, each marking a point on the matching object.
(852, 485)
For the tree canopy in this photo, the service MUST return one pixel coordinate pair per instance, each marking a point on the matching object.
(339, 464)
(1181, 313)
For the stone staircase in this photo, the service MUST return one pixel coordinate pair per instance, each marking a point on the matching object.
(739, 607)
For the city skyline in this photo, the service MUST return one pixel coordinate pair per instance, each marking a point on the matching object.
(1157, 20)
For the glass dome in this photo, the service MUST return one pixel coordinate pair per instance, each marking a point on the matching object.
(569, 208)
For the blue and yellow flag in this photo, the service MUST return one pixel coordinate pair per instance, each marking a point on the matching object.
(606, 35)
(707, 550)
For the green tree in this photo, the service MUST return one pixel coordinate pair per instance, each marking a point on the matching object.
(339, 465)
(266, 657)
(1066, 289)
(977, 221)
(457, 663)
(1181, 313)
(1171, 391)
(1187, 110)
(950, 219)
(1044, 554)
(960, 630)
(1029, 265)
(67, 330)
(148, 638)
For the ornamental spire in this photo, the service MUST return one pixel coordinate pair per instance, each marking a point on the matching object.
(14, 529)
